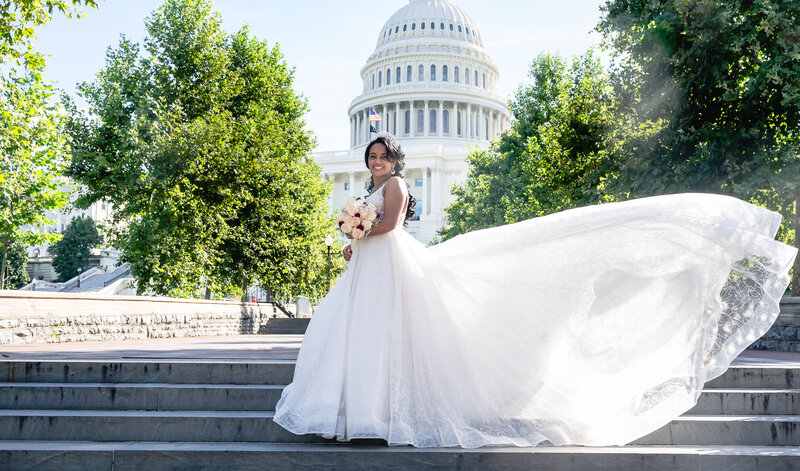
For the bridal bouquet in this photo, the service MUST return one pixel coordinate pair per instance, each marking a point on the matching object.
(358, 218)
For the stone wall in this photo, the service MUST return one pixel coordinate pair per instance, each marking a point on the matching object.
(40, 317)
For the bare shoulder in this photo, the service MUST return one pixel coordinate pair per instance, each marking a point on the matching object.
(395, 185)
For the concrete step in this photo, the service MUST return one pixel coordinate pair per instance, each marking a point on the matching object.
(158, 456)
(142, 425)
(286, 325)
(770, 375)
(748, 402)
(252, 426)
(133, 371)
(139, 396)
(255, 397)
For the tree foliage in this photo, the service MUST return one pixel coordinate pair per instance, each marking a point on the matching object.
(711, 95)
(554, 156)
(74, 249)
(32, 143)
(198, 140)
(16, 275)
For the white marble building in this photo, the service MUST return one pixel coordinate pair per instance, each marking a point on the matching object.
(433, 85)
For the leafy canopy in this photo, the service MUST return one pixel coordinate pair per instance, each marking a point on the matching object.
(74, 249)
(198, 140)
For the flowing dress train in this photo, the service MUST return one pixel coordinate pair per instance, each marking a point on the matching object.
(592, 326)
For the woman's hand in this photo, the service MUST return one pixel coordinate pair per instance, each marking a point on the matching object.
(347, 252)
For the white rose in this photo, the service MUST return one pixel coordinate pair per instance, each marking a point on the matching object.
(352, 209)
(367, 224)
(357, 233)
(346, 228)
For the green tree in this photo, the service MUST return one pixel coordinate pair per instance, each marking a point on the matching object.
(554, 156)
(16, 275)
(713, 99)
(74, 249)
(32, 144)
(199, 142)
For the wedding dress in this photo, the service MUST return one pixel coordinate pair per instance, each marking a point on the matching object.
(592, 326)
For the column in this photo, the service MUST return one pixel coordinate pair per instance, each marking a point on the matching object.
(358, 127)
(468, 122)
(352, 182)
(434, 204)
(426, 120)
(426, 204)
(440, 119)
(491, 124)
(481, 124)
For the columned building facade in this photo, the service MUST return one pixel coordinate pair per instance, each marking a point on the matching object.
(434, 86)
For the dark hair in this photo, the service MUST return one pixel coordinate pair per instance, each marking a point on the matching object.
(395, 153)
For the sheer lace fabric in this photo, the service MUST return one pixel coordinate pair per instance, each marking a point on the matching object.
(592, 326)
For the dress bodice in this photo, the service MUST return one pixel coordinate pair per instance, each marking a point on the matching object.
(376, 198)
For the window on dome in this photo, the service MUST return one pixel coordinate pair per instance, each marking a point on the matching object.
(446, 122)
(409, 71)
(466, 76)
(455, 74)
(397, 75)
(413, 26)
(420, 120)
(451, 26)
(433, 73)
(441, 26)
(476, 78)
(467, 28)
(396, 29)
(422, 25)
(407, 122)
(444, 73)
(433, 25)
(421, 73)
(432, 123)
(405, 27)
(384, 35)
(388, 76)
(459, 28)
(380, 79)
(390, 31)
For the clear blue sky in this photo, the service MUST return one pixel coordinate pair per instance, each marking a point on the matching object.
(328, 42)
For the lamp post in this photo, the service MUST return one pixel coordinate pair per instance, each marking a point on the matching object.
(79, 276)
(329, 242)
(36, 253)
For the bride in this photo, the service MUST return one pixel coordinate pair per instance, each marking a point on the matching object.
(592, 326)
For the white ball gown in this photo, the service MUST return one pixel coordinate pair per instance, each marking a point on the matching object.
(593, 326)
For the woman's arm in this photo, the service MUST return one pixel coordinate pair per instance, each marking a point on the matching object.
(394, 199)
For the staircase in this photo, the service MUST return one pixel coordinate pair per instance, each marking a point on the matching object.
(191, 415)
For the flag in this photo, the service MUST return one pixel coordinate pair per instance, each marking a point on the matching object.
(373, 116)
(372, 129)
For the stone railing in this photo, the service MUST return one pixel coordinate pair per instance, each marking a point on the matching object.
(784, 335)
(40, 317)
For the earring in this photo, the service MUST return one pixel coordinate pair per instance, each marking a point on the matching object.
(393, 171)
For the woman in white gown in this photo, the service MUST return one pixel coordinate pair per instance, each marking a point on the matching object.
(592, 326)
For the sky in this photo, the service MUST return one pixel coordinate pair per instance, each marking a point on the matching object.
(328, 41)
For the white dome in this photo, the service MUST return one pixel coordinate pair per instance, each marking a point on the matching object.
(430, 19)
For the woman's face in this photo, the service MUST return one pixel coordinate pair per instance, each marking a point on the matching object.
(379, 163)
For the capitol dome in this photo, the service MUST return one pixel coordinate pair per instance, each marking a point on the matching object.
(430, 77)
(430, 19)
